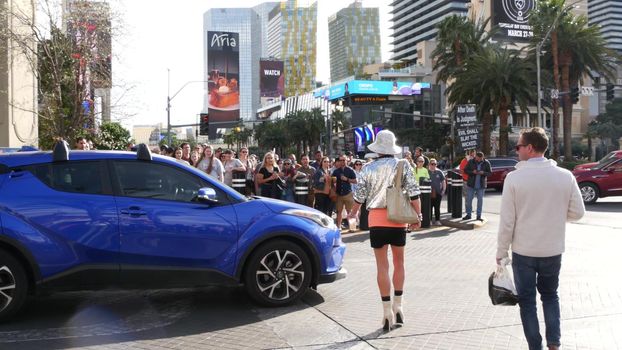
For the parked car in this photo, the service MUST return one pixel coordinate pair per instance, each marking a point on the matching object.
(75, 220)
(600, 181)
(500, 167)
(611, 156)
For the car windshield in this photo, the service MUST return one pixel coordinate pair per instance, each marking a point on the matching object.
(605, 160)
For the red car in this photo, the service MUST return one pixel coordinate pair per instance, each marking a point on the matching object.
(605, 160)
(604, 180)
(500, 168)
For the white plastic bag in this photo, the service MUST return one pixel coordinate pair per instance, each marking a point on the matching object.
(501, 286)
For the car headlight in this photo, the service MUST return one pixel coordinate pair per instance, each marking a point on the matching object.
(319, 218)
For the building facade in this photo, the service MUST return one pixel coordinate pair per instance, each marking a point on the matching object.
(18, 83)
(247, 23)
(608, 15)
(354, 40)
(415, 21)
(264, 10)
(292, 38)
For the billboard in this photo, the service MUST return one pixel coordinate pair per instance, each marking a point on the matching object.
(466, 127)
(271, 81)
(512, 18)
(376, 87)
(223, 67)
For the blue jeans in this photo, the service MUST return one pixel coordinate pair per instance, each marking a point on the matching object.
(469, 200)
(541, 273)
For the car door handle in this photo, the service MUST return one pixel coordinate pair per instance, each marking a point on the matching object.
(133, 211)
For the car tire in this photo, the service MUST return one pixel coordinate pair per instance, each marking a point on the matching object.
(13, 285)
(589, 192)
(277, 273)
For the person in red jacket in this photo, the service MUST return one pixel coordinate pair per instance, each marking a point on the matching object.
(470, 154)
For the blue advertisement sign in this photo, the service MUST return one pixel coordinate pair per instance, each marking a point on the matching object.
(376, 87)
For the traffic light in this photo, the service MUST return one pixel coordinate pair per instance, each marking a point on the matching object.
(610, 92)
(204, 124)
(574, 94)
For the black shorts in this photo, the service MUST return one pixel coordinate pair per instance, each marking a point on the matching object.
(380, 236)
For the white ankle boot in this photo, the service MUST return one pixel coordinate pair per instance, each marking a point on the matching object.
(397, 310)
(387, 320)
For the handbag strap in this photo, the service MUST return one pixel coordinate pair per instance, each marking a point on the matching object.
(397, 180)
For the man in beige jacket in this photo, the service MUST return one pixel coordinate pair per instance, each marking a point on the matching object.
(538, 199)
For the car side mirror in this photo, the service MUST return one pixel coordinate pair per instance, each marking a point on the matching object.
(207, 195)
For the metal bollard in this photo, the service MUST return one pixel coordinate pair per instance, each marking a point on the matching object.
(301, 190)
(425, 185)
(449, 190)
(456, 204)
(238, 181)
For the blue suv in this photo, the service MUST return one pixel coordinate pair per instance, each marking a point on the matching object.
(84, 220)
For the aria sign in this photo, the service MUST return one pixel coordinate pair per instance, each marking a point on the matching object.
(512, 17)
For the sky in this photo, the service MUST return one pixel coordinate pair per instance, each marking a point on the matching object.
(164, 38)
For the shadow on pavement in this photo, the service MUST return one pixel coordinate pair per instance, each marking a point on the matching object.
(355, 238)
(79, 319)
(605, 207)
(417, 235)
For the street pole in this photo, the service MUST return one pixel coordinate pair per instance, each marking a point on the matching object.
(540, 117)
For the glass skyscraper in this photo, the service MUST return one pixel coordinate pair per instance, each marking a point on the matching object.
(354, 40)
(247, 23)
(608, 15)
(292, 38)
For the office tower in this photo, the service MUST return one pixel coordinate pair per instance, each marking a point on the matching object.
(354, 40)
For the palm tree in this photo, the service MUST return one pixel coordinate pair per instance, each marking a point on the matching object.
(543, 19)
(582, 51)
(495, 77)
(457, 39)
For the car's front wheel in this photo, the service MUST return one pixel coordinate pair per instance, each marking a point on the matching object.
(278, 273)
(13, 285)
(589, 192)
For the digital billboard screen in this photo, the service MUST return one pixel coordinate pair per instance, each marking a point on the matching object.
(223, 63)
(271, 80)
(376, 87)
(512, 18)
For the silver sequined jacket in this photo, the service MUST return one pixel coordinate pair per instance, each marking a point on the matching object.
(377, 176)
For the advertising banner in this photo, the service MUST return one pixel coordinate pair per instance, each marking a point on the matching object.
(271, 81)
(376, 87)
(223, 63)
(512, 18)
(466, 127)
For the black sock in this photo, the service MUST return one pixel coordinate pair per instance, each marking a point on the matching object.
(399, 293)
(386, 298)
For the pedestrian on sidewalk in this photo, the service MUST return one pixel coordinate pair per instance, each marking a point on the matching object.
(345, 178)
(538, 199)
(375, 178)
(438, 191)
(478, 170)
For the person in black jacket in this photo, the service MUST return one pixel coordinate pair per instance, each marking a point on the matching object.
(478, 170)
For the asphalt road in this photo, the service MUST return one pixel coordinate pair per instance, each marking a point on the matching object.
(446, 305)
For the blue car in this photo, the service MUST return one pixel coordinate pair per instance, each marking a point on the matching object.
(88, 220)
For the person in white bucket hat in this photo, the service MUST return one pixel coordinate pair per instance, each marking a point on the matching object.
(375, 178)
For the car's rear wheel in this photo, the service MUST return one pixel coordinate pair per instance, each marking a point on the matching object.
(589, 192)
(13, 285)
(278, 273)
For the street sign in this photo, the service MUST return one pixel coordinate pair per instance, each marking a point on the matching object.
(554, 93)
(587, 91)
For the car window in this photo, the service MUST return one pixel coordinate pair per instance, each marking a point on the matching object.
(617, 166)
(497, 163)
(79, 177)
(159, 181)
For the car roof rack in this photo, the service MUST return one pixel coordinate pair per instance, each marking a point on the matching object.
(143, 152)
(61, 151)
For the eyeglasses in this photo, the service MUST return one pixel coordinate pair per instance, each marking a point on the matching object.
(358, 164)
(244, 152)
(287, 163)
(519, 146)
(432, 163)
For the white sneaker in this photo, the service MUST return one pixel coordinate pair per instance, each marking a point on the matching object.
(439, 223)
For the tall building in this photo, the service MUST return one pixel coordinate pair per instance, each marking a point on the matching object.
(246, 22)
(18, 83)
(292, 38)
(608, 15)
(415, 21)
(264, 10)
(354, 40)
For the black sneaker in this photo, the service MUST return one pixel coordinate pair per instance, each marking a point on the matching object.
(479, 218)
(467, 217)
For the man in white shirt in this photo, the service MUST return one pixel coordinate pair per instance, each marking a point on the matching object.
(538, 199)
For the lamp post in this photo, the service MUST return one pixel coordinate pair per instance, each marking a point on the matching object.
(169, 98)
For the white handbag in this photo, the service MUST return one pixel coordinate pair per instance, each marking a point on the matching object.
(398, 201)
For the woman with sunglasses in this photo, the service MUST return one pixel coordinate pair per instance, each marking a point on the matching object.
(420, 171)
(250, 165)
